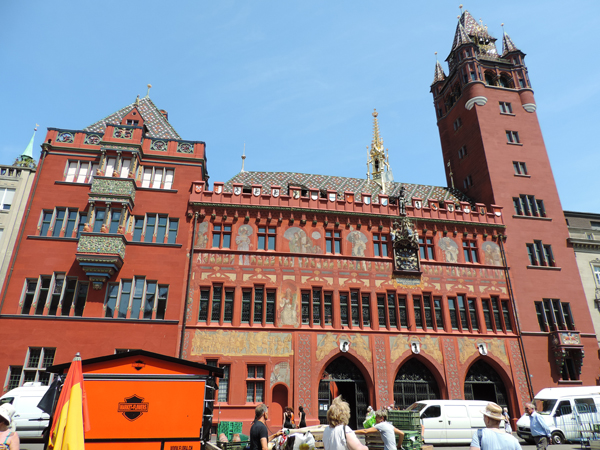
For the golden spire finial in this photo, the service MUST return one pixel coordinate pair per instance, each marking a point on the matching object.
(148, 93)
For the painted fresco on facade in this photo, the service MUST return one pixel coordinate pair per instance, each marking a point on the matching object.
(468, 347)
(358, 241)
(281, 373)
(426, 344)
(242, 240)
(330, 341)
(288, 309)
(234, 343)
(450, 249)
(300, 242)
(202, 235)
(491, 253)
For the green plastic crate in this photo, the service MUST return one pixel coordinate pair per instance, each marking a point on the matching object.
(229, 429)
(405, 420)
(412, 440)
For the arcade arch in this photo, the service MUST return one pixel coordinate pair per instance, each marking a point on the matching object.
(414, 382)
(484, 383)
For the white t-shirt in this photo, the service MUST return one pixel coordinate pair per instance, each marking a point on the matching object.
(387, 435)
(495, 440)
(335, 438)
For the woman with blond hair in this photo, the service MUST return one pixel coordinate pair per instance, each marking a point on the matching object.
(338, 435)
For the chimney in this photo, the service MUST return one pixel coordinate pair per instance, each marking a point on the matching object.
(165, 114)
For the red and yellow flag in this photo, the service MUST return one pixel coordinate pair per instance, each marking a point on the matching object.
(71, 414)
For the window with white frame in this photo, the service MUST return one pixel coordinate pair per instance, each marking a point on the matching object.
(159, 225)
(54, 295)
(136, 299)
(80, 171)
(61, 222)
(255, 384)
(157, 177)
(6, 197)
(37, 360)
(596, 270)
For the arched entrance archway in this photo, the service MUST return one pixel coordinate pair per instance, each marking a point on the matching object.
(484, 383)
(278, 403)
(342, 377)
(414, 382)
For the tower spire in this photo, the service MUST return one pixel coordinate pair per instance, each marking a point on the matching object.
(26, 158)
(439, 74)
(243, 157)
(507, 43)
(377, 160)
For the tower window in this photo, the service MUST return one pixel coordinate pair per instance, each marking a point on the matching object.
(520, 168)
(528, 205)
(468, 182)
(506, 81)
(540, 254)
(457, 124)
(505, 108)
(512, 137)
(462, 152)
(133, 122)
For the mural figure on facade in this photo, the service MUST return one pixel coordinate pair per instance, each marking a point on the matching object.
(327, 343)
(202, 235)
(299, 241)
(287, 309)
(450, 249)
(233, 343)
(242, 241)
(491, 252)
(281, 373)
(358, 241)
(361, 346)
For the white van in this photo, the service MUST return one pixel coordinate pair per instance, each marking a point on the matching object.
(450, 421)
(571, 413)
(30, 421)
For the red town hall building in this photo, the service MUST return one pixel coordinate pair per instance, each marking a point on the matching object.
(303, 287)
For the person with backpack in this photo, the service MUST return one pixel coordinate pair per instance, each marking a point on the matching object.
(492, 437)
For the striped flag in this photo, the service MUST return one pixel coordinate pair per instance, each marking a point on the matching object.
(71, 415)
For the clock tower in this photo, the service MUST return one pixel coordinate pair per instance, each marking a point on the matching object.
(494, 152)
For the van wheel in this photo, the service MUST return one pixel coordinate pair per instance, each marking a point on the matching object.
(557, 438)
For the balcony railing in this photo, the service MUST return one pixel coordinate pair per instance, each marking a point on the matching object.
(110, 190)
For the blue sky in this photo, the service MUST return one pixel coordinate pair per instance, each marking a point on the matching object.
(296, 81)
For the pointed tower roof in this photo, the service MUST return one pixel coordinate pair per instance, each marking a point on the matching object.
(468, 22)
(28, 152)
(154, 120)
(508, 45)
(439, 74)
(461, 36)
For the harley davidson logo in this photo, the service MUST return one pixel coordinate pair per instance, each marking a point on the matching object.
(133, 407)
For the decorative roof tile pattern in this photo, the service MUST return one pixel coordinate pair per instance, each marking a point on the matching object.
(158, 126)
(341, 185)
(469, 23)
(508, 45)
(439, 73)
(461, 36)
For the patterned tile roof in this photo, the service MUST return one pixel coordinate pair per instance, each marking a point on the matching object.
(461, 36)
(158, 126)
(342, 184)
(508, 45)
(439, 73)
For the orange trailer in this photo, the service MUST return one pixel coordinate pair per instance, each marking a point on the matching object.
(143, 400)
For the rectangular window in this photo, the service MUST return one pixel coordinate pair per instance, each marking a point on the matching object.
(255, 384)
(99, 217)
(403, 322)
(506, 317)
(439, 318)
(228, 307)
(37, 360)
(173, 225)
(453, 313)
(596, 270)
(270, 307)
(496, 314)
(216, 303)
(306, 308)
(462, 313)
(366, 310)
(161, 229)
(259, 307)
(487, 315)
(316, 307)
(462, 152)
(150, 228)
(427, 248)
(354, 308)
(221, 236)
(541, 316)
(528, 205)
(392, 306)
(266, 238)
(381, 309)
(505, 108)
(457, 123)
(136, 299)
(246, 305)
(46, 222)
(157, 177)
(344, 309)
(71, 222)
(333, 242)
(380, 244)
(427, 311)
(43, 294)
(520, 168)
(468, 182)
(146, 228)
(58, 222)
(61, 222)
(470, 250)
(80, 171)
(82, 223)
(327, 308)
(417, 312)
(540, 254)
(473, 322)
(203, 305)
(223, 392)
(512, 137)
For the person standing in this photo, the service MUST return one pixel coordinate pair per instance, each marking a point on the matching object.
(492, 437)
(338, 435)
(288, 418)
(9, 440)
(302, 416)
(259, 433)
(386, 429)
(507, 426)
(539, 429)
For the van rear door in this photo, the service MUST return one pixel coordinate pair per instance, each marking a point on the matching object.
(29, 419)
(458, 424)
(433, 423)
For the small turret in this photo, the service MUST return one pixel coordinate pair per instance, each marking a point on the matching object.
(26, 158)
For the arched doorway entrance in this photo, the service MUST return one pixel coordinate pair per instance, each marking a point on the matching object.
(342, 377)
(279, 402)
(484, 383)
(414, 382)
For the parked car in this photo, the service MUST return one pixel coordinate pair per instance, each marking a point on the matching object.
(30, 421)
(450, 421)
(571, 413)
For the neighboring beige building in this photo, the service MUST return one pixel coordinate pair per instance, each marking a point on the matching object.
(584, 232)
(15, 184)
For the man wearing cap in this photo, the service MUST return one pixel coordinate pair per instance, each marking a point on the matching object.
(539, 429)
(387, 430)
(259, 433)
(9, 440)
(492, 437)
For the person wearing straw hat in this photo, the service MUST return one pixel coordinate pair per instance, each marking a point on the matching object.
(9, 440)
(492, 437)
